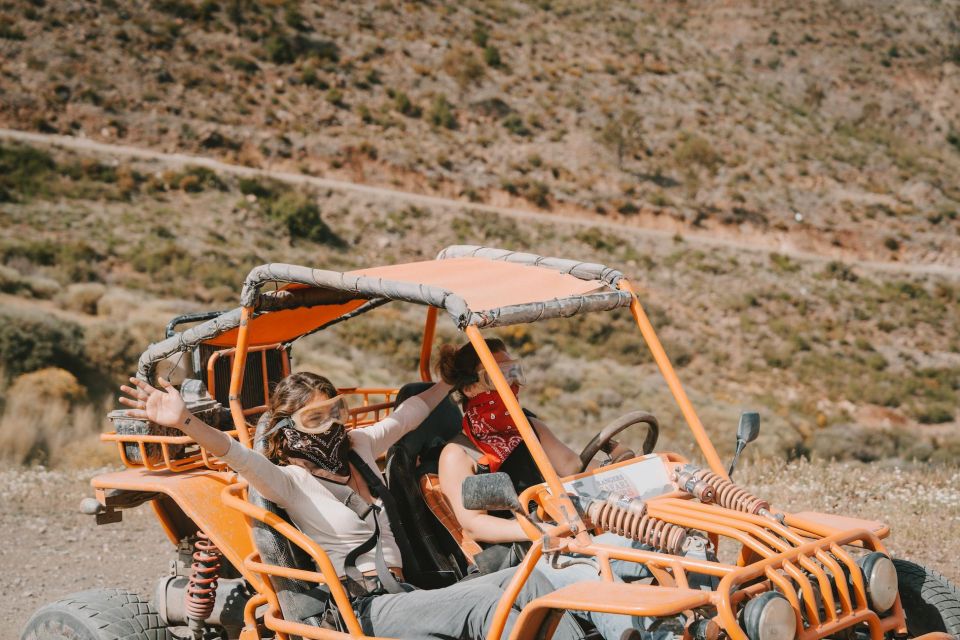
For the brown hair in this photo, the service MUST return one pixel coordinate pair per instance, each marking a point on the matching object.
(458, 365)
(290, 394)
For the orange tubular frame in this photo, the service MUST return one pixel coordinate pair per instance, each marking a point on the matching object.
(776, 554)
(236, 377)
(429, 331)
(666, 369)
(234, 497)
(570, 516)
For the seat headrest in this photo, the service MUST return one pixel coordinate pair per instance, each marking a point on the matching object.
(437, 429)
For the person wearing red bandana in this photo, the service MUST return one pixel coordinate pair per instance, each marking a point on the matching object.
(316, 470)
(491, 442)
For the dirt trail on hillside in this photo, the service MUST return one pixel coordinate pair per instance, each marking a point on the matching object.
(763, 244)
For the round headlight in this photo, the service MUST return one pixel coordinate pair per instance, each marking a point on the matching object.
(880, 576)
(769, 617)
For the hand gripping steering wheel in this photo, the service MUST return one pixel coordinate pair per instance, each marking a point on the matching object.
(608, 432)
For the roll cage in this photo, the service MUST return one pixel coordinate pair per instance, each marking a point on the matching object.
(480, 287)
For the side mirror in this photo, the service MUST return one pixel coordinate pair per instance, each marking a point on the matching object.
(747, 431)
(490, 492)
(749, 427)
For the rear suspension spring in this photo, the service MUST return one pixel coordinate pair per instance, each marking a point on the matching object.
(628, 517)
(201, 592)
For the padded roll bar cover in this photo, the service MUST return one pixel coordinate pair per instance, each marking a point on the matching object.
(490, 492)
(276, 549)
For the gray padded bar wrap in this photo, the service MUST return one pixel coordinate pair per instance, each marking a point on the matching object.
(360, 286)
(581, 270)
(334, 287)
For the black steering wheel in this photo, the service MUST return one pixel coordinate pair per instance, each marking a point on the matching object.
(608, 432)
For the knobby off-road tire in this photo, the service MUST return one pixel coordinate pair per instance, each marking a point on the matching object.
(930, 601)
(97, 614)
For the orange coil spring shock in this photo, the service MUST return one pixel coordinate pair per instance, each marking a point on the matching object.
(204, 572)
(731, 496)
(628, 517)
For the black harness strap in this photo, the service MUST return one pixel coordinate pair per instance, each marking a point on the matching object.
(353, 501)
(379, 490)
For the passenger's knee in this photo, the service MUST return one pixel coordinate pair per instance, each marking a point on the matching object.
(485, 594)
(538, 584)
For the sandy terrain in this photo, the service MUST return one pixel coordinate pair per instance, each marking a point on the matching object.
(52, 550)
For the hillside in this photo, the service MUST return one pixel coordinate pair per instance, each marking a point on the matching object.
(843, 361)
(830, 126)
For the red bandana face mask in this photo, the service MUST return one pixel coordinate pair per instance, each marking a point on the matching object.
(489, 426)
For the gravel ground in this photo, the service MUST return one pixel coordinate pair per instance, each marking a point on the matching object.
(51, 549)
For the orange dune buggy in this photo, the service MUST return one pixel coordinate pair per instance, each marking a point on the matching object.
(242, 570)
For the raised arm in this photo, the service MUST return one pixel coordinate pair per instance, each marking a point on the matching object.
(403, 420)
(167, 408)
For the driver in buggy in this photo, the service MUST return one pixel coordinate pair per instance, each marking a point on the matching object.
(491, 442)
(327, 480)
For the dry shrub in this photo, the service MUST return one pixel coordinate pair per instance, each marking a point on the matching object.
(112, 349)
(32, 339)
(45, 422)
(40, 286)
(117, 303)
(843, 442)
(82, 297)
(10, 280)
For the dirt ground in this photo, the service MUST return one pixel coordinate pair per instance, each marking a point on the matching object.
(50, 549)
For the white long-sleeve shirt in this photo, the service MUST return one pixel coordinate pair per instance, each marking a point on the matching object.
(311, 506)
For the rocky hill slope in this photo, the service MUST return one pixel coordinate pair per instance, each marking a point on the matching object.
(832, 125)
(97, 255)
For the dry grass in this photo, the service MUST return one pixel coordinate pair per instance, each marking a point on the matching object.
(842, 362)
(921, 503)
(46, 420)
(748, 114)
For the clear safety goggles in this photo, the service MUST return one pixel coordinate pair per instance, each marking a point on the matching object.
(319, 417)
(512, 370)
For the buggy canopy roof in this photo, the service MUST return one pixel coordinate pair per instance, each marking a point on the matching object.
(478, 286)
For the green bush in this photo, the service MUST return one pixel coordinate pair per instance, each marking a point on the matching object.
(442, 113)
(402, 103)
(301, 215)
(696, 150)
(243, 64)
(196, 179)
(73, 260)
(24, 172)
(491, 55)
(280, 49)
(515, 125)
(262, 189)
(936, 413)
(859, 443)
(31, 340)
(183, 9)
(284, 48)
(112, 350)
(9, 31)
(462, 65)
(538, 193)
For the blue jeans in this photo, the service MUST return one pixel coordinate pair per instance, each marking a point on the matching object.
(464, 610)
(571, 569)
